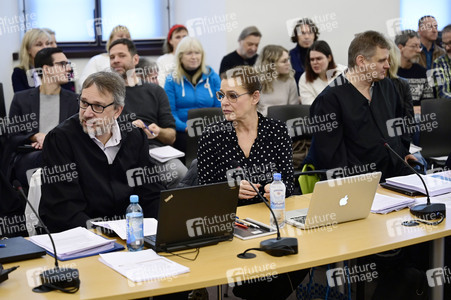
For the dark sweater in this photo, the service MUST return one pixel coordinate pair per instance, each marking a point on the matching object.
(233, 59)
(149, 103)
(96, 189)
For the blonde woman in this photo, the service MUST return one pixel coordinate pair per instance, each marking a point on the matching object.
(101, 62)
(278, 84)
(34, 40)
(193, 84)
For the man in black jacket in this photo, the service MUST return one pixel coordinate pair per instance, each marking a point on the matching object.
(92, 163)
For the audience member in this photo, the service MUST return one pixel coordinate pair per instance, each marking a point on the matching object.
(360, 102)
(192, 85)
(45, 107)
(166, 62)
(24, 77)
(246, 53)
(320, 69)
(51, 33)
(69, 85)
(304, 34)
(278, 86)
(88, 158)
(147, 105)
(442, 67)
(428, 31)
(101, 62)
(147, 71)
(409, 44)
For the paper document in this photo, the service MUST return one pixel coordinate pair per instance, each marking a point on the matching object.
(384, 204)
(437, 183)
(120, 227)
(142, 265)
(165, 153)
(73, 243)
(414, 148)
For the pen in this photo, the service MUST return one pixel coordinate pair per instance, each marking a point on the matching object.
(2, 246)
(241, 225)
(249, 224)
(153, 133)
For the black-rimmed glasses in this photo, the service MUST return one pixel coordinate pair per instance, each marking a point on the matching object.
(62, 63)
(97, 108)
(232, 96)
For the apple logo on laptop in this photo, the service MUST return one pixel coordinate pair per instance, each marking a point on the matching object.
(343, 201)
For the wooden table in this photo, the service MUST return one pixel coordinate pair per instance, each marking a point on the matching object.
(219, 264)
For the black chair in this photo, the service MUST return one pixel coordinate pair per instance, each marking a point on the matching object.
(295, 116)
(436, 140)
(3, 130)
(197, 120)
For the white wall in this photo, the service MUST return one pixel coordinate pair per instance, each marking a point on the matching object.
(219, 37)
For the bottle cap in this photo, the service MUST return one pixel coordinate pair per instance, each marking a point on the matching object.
(134, 199)
(277, 176)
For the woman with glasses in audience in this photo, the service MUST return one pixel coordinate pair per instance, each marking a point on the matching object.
(320, 69)
(24, 76)
(278, 84)
(260, 147)
(101, 62)
(192, 85)
(304, 34)
(166, 62)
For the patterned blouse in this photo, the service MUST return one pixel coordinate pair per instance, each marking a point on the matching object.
(219, 155)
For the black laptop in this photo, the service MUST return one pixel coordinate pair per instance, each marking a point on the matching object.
(194, 217)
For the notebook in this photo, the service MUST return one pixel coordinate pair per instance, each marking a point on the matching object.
(18, 249)
(336, 201)
(194, 217)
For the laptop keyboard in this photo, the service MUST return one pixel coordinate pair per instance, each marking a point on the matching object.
(152, 238)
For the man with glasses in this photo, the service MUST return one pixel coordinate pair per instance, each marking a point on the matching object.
(428, 31)
(106, 164)
(34, 112)
(408, 42)
(441, 69)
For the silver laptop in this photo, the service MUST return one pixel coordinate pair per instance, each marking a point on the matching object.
(336, 201)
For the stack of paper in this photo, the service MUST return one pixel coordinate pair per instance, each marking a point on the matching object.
(74, 243)
(437, 183)
(383, 204)
(143, 265)
(120, 226)
(165, 153)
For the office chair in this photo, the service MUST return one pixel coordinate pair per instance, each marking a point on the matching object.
(437, 141)
(198, 118)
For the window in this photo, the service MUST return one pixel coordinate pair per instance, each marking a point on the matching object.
(85, 25)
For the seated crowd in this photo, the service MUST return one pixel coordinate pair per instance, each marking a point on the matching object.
(128, 105)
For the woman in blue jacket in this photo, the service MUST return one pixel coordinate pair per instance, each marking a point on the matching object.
(192, 85)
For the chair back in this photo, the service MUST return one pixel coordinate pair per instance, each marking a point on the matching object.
(295, 116)
(435, 127)
(198, 118)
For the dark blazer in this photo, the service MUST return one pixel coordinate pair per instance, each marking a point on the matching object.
(26, 103)
(20, 81)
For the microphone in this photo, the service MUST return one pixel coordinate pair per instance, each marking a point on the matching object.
(274, 247)
(428, 211)
(65, 279)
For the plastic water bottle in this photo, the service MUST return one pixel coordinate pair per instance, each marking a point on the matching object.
(277, 198)
(135, 227)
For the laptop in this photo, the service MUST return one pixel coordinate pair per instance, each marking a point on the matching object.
(18, 249)
(194, 217)
(336, 201)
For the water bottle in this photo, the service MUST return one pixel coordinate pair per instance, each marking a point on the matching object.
(277, 199)
(135, 229)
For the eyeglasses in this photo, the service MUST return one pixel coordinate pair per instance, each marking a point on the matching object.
(446, 44)
(231, 96)
(97, 108)
(415, 47)
(63, 63)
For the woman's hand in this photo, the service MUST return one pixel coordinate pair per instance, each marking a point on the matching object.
(246, 190)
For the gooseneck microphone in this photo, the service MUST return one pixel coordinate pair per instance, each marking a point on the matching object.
(428, 211)
(274, 247)
(64, 279)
